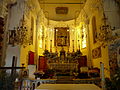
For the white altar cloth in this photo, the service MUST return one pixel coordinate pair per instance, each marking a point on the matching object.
(67, 87)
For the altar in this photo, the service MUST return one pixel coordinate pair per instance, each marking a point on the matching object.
(63, 66)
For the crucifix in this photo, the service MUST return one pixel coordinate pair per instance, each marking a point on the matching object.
(13, 68)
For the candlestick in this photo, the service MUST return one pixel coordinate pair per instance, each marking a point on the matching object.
(73, 45)
(50, 45)
(45, 44)
(79, 44)
(68, 39)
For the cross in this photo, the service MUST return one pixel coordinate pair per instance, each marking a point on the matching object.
(13, 68)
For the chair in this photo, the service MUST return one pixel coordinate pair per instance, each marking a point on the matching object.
(94, 72)
(83, 72)
(84, 69)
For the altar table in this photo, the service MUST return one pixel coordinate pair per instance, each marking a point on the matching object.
(67, 87)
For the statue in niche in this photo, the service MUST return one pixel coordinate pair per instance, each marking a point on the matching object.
(62, 54)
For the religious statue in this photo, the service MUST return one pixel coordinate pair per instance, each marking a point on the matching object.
(62, 54)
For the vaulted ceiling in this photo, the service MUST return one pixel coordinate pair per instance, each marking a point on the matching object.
(61, 10)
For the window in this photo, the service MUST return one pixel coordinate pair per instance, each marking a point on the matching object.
(83, 37)
(94, 28)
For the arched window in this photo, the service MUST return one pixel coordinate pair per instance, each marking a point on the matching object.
(94, 29)
(84, 36)
(32, 30)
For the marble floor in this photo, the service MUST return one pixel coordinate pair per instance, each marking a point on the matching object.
(68, 87)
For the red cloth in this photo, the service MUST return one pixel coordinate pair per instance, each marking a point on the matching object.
(31, 58)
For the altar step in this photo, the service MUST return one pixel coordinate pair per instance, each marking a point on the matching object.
(66, 78)
(64, 82)
(69, 80)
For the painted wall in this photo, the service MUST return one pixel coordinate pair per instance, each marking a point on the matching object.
(31, 16)
(90, 10)
(15, 15)
(96, 8)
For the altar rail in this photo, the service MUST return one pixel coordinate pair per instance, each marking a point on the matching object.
(95, 81)
(32, 84)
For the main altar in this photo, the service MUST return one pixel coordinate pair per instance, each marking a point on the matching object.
(63, 66)
(63, 63)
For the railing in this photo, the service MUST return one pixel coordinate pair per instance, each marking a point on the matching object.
(29, 84)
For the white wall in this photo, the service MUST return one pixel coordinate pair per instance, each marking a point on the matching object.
(12, 51)
(112, 11)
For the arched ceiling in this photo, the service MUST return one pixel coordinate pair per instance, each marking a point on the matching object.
(61, 10)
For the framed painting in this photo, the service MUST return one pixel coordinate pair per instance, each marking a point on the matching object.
(61, 36)
(61, 10)
(96, 53)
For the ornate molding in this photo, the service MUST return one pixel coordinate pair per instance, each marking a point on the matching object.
(3, 6)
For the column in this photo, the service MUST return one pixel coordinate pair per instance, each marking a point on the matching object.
(102, 76)
(68, 39)
(56, 38)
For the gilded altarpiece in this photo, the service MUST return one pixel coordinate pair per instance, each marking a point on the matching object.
(62, 36)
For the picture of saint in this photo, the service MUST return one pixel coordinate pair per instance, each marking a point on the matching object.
(61, 36)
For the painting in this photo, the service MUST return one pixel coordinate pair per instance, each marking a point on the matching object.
(61, 36)
(96, 53)
(12, 37)
(61, 10)
(25, 73)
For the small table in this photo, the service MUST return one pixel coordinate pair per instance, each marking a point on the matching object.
(67, 87)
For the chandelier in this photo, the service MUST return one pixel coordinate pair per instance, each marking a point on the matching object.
(18, 36)
(105, 34)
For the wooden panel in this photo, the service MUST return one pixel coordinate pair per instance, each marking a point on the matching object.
(42, 63)
(82, 62)
(31, 58)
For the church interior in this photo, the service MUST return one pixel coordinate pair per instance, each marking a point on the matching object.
(59, 44)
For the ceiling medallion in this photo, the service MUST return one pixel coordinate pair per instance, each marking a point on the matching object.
(61, 10)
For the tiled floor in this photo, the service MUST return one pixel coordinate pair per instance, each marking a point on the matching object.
(67, 87)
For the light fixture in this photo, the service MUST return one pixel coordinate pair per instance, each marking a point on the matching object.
(105, 34)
